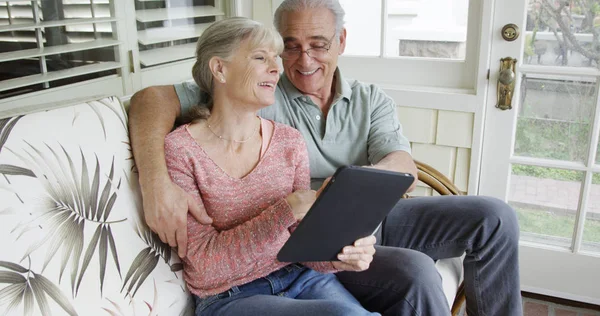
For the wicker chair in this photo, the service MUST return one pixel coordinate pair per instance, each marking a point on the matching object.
(442, 185)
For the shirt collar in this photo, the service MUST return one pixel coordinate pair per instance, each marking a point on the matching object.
(342, 87)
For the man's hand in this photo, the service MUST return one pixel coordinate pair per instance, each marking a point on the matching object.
(357, 257)
(166, 206)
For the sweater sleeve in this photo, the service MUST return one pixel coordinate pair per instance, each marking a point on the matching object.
(302, 175)
(225, 256)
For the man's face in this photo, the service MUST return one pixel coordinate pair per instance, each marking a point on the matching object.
(311, 28)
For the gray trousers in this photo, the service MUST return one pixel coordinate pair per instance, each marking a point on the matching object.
(402, 279)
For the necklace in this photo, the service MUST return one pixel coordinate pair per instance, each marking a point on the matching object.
(233, 140)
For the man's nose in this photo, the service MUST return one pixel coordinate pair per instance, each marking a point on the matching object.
(304, 58)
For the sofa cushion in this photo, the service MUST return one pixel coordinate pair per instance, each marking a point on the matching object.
(73, 239)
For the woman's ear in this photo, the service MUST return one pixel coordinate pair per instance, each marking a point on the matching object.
(216, 65)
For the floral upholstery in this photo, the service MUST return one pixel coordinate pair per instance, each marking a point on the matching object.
(73, 238)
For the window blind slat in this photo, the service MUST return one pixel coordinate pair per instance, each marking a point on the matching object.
(102, 28)
(66, 2)
(80, 37)
(17, 12)
(164, 14)
(167, 54)
(59, 49)
(16, 2)
(56, 75)
(167, 34)
(84, 11)
(18, 39)
(6, 22)
(31, 26)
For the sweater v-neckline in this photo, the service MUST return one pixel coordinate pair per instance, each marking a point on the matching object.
(258, 164)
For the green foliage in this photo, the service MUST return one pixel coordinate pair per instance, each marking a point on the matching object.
(552, 224)
(529, 51)
(551, 139)
(547, 173)
(540, 138)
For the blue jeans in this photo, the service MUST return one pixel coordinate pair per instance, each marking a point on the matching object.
(292, 290)
(402, 279)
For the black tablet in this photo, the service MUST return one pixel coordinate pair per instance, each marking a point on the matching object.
(351, 206)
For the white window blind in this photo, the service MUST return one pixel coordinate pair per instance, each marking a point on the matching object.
(50, 43)
(169, 29)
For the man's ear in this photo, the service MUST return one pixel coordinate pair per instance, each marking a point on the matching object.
(342, 41)
(217, 66)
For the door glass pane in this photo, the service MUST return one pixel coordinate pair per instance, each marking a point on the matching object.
(546, 201)
(414, 28)
(555, 117)
(591, 230)
(363, 23)
(565, 38)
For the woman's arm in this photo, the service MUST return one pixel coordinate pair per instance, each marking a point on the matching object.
(227, 255)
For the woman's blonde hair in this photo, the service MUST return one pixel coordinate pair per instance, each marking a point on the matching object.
(222, 39)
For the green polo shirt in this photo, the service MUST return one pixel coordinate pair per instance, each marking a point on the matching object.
(360, 129)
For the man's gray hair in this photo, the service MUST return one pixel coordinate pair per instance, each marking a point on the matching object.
(222, 39)
(298, 5)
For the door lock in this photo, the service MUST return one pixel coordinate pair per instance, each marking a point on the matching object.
(510, 32)
(506, 83)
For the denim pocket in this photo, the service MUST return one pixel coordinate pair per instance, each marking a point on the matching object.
(204, 303)
(293, 267)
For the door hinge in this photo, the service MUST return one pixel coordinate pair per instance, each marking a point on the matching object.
(488, 75)
(131, 65)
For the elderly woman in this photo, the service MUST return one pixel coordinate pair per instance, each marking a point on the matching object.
(252, 177)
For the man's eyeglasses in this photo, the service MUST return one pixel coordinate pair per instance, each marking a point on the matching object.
(313, 52)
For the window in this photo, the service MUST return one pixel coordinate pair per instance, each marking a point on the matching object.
(47, 44)
(414, 45)
(168, 30)
(93, 48)
(413, 28)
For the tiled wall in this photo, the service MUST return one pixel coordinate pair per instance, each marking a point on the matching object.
(441, 139)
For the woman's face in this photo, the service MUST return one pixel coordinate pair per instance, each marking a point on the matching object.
(251, 76)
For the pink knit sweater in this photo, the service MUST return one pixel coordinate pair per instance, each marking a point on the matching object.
(251, 218)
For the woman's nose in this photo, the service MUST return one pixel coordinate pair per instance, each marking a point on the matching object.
(273, 66)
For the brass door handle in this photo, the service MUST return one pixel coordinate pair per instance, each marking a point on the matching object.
(506, 83)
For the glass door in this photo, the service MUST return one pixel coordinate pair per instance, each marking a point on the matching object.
(541, 155)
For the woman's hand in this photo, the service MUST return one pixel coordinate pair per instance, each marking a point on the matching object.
(301, 201)
(356, 257)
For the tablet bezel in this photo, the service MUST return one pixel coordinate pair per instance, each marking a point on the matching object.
(340, 221)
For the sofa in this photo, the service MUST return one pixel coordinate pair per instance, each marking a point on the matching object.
(74, 241)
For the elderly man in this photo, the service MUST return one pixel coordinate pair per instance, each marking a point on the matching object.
(345, 122)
